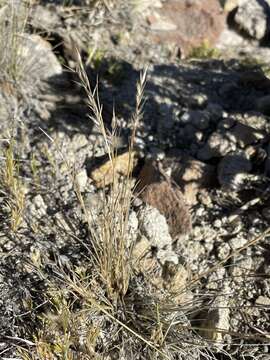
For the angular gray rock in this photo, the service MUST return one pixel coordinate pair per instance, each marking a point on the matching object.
(252, 16)
(38, 59)
(153, 225)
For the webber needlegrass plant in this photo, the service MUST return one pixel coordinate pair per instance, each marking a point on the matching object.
(106, 307)
(110, 238)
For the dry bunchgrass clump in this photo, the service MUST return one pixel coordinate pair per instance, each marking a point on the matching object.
(13, 23)
(107, 307)
(12, 188)
(110, 238)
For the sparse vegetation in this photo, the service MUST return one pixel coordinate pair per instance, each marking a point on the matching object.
(13, 189)
(80, 280)
(204, 51)
(109, 288)
(95, 57)
(110, 236)
(13, 24)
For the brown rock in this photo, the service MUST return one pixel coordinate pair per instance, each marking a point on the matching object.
(175, 280)
(141, 256)
(187, 23)
(149, 174)
(158, 192)
(105, 173)
(193, 176)
(175, 277)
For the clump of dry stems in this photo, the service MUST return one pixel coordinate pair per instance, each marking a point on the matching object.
(13, 189)
(110, 236)
(13, 22)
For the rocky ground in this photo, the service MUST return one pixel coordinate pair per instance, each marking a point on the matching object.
(196, 232)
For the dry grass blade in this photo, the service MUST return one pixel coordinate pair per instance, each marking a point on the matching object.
(94, 105)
